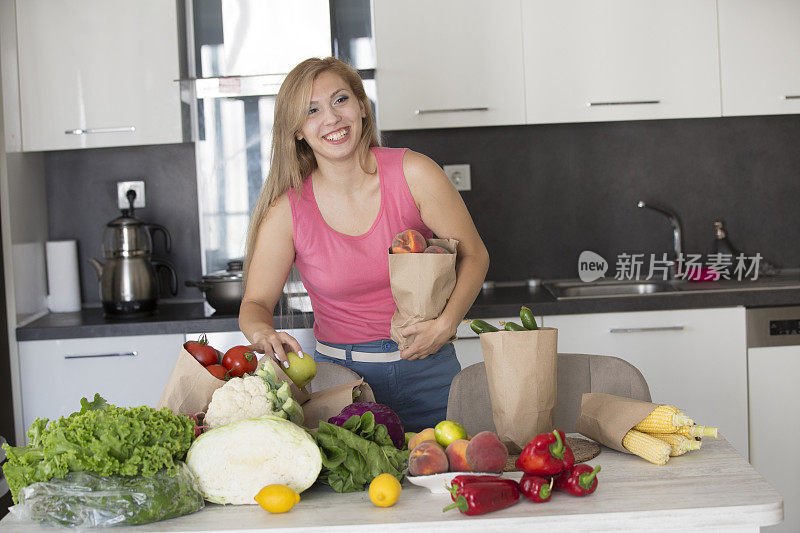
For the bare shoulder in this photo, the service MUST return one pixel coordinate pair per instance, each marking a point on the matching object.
(424, 176)
(280, 211)
(419, 166)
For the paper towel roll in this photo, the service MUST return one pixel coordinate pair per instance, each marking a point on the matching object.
(62, 276)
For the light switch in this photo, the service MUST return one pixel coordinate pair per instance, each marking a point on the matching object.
(459, 175)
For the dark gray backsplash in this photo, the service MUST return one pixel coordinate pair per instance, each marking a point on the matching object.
(82, 198)
(542, 194)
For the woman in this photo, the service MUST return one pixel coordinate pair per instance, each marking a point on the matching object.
(331, 204)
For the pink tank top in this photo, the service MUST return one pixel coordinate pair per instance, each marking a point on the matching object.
(347, 277)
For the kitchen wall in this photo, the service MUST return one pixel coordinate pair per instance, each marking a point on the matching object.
(540, 194)
(82, 199)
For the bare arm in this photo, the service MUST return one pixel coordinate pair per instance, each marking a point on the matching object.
(272, 259)
(444, 212)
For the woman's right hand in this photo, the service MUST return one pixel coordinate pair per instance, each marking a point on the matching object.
(274, 343)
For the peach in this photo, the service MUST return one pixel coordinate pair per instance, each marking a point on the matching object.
(486, 453)
(435, 250)
(427, 458)
(422, 436)
(456, 454)
(408, 241)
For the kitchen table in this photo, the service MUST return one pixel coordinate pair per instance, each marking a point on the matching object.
(711, 489)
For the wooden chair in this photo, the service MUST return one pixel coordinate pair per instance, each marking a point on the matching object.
(469, 403)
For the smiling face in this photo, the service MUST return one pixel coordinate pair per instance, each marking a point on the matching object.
(333, 124)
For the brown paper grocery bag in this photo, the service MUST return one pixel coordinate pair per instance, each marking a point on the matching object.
(329, 402)
(421, 285)
(607, 418)
(190, 386)
(521, 369)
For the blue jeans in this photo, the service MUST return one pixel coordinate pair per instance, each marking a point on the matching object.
(416, 390)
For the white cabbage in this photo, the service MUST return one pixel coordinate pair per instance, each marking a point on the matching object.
(233, 462)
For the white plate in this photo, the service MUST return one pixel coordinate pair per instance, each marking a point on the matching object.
(438, 483)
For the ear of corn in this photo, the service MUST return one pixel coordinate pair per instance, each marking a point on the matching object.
(678, 443)
(647, 447)
(664, 419)
(697, 431)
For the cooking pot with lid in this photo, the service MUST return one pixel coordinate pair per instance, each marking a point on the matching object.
(223, 289)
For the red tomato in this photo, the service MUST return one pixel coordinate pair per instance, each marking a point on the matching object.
(240, 360)
(202, 351)
(218, 371)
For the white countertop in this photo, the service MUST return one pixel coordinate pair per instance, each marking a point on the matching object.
(713, 487)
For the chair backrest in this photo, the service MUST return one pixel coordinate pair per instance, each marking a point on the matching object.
(330, 375)
(469, 403)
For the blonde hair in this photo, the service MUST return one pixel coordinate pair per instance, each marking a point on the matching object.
(292, 160)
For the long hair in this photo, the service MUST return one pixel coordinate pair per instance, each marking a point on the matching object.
(292, 160)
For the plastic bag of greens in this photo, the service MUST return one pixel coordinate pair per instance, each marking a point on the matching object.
(84, 499)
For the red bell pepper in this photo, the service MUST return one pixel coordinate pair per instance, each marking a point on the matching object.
(547, 454)
(466, 479)
(536, 488)
(484, 497)
(580, 480)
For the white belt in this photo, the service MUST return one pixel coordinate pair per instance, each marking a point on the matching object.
(360, 357)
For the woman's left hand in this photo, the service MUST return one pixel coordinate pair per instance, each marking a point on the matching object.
(429, 337)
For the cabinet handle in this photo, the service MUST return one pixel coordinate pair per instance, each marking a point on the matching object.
(80, 131)
(87, 356)
(642, 330)
(453, 110)
(629, 102)
(792, 97)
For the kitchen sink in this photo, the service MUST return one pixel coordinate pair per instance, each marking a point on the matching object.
(566, 289)
(606, 288)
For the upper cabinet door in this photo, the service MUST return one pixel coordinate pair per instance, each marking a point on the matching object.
(97, 73)
(760, 56)
(620, 59)
(448, 63)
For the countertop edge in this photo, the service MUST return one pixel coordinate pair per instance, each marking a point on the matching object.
(190, 317)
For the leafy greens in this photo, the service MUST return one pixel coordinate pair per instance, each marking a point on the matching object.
(100, 438)
(355, 453)
(84, 499)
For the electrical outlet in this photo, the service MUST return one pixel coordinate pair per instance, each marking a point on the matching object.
(122, 190)
(459, 175)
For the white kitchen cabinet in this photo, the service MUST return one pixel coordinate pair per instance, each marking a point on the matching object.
(772, 374)
(759, 56)
(449, 63)
(695, 359)
(126, 371)
(95, 73)
(588, 61)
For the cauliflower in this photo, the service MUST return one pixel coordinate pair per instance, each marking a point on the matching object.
(239, 399)
(251, 397)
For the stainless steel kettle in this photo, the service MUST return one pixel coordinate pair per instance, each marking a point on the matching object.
(129, 286)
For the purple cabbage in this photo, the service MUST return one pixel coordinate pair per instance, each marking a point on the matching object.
(383, 415)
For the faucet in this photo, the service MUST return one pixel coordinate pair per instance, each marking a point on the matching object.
(677, 234)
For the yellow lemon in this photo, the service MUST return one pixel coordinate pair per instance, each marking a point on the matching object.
(384, 490)
(276, 498)
(447, 431)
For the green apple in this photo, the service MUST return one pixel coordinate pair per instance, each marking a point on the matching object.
(447, 431)
(301, 370)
